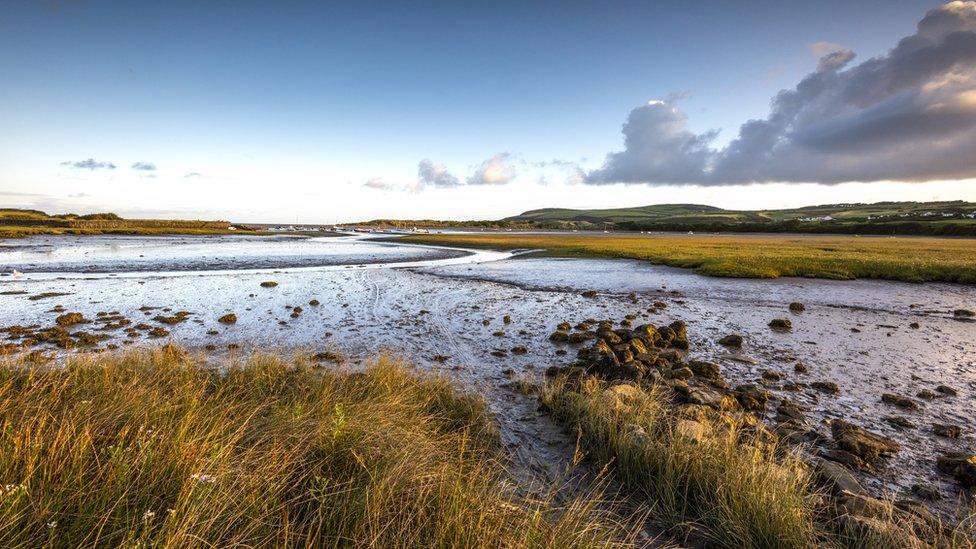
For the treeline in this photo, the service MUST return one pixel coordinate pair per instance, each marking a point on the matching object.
(908, 228)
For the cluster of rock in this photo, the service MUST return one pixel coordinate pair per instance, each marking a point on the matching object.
(648, 354)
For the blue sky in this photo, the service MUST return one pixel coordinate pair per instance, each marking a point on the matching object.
(289, 109)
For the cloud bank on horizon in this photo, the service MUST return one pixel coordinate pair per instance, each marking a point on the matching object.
(909, 115)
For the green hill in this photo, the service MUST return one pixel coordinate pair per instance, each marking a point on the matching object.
(947, 218)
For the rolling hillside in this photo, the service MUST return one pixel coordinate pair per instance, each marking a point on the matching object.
(954, 217)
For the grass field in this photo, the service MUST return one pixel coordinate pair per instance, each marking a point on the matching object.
(755, 256)
(161, 449)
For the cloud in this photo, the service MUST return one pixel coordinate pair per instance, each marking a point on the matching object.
(497, 170)
(144, 166)
(378, 184)
(908, 115)
(435, 175)
(193, 174)
(89, 164)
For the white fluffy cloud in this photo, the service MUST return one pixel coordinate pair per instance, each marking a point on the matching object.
(908, 115)
(497, 170)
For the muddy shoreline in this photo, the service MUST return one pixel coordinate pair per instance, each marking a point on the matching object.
(450, 318)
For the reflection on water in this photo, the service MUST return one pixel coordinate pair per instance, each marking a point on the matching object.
(122, 254)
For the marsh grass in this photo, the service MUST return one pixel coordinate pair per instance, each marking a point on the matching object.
(834, 257)
(156, 448)
(727, 484)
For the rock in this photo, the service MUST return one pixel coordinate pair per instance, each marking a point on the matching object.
(70, 319)
(800, 368)
(499, 333)
(681, 373)
(691, 430)
(900, 422)
(961, 466)
(158, 332)
(899, 401)
(581, 337)
(559, 337)
(314, 303)
(771, 375)
(788, 410)
(926, 394)
(926, 492)
(751, 397)
(835, 477)
(781, 324)
(269, 284)
(507, 319)
(947, 390)
(914, 325)
(328, 356)
(229, 318)
(589, 293)
(707, 370)
(797, 307)
(731, 340)
(828, 387)
(519, 350)
(563, 326)
(861, 442)
(963, 313)
(946, 430)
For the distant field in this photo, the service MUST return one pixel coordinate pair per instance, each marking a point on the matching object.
(16, 223)
(756, 256)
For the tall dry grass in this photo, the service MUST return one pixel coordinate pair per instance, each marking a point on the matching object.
(156, 448)
(720, 479)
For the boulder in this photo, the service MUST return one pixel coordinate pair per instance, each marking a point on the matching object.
(797, 307)
(828, 387)
(946, 430)
(899, 401)
(269, 284)
(70, 319)
(961, 466)
(782, 324)
(731, 340)
(861, 442)
(707, 370)
(229, 318)
(836, 477)
(751, 397)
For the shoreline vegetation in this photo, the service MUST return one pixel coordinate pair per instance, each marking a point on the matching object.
(15, 223)
(163, 447)
(917, 259)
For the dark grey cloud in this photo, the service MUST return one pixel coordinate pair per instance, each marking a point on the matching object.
(144, 166)
(435, 175)
(89, 164)
(908, 115)
(497, 170)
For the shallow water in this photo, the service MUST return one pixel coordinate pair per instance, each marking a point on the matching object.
(424, 302)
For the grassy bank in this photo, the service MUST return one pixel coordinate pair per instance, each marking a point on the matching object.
(834, 257)
(723, 479)
(17, 223)
(155, 448)
(21, 232)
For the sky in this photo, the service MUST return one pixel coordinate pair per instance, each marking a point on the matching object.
(316, 112)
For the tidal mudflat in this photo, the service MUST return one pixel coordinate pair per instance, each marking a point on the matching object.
(485, 318)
